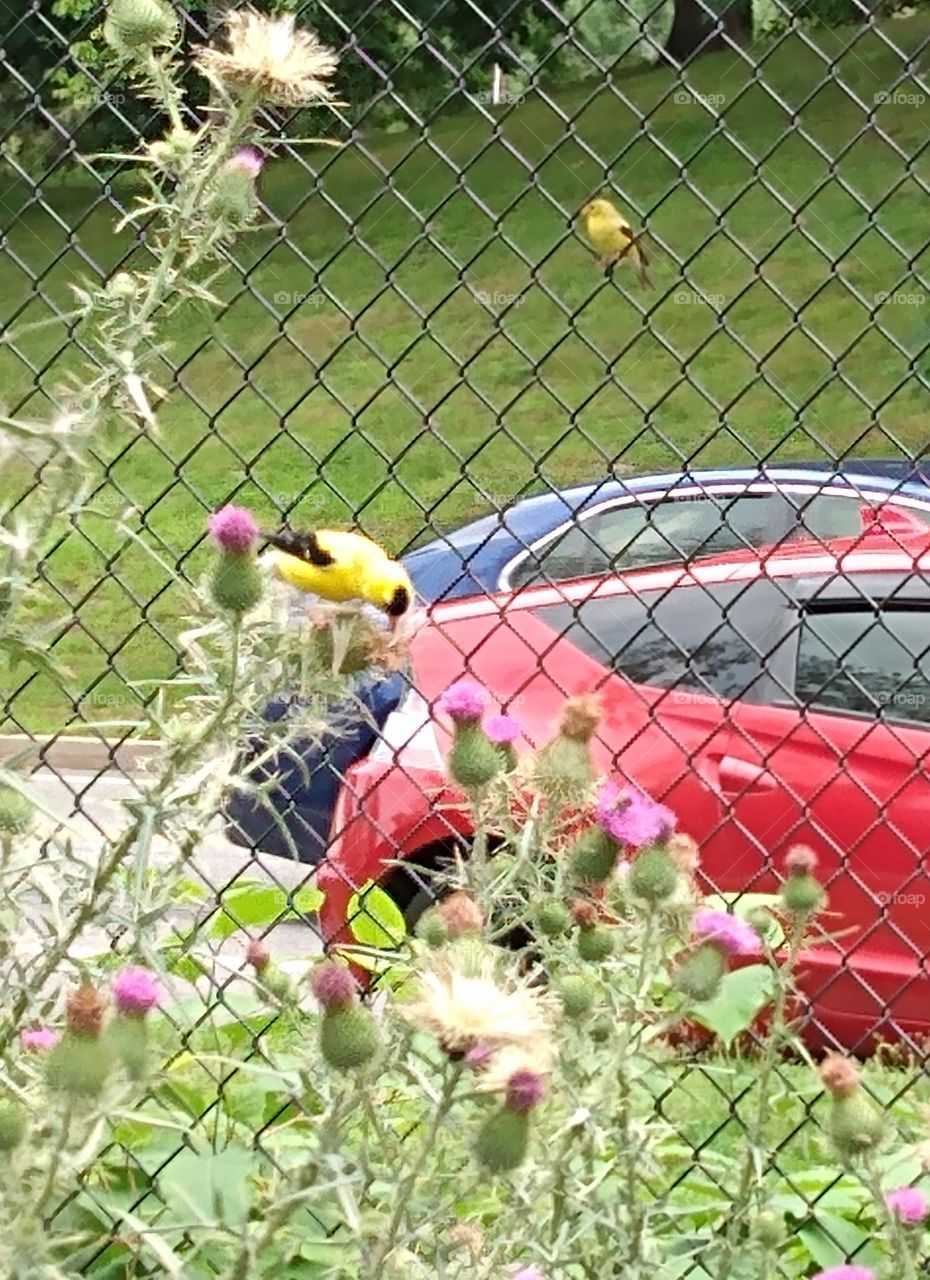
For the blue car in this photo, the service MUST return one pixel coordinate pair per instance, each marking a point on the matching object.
(640, 521)
(589, 530)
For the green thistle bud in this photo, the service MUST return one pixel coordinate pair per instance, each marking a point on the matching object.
(277, 983)
(79, 1065)
(470, 955)
(129, 1039)
(592, 857)
(431, 929)
(236, 584)
(595, 943)
(553, 918)
(349, 1037)
(503, 1140)
(474, 761)
(121, 287)
(16, 812)
(653, 875)
(139, 24)
(602, 1029)
(769, 1229)
(577, 995)
(802, 895)
(175, 151)
(762, 921)
(233, 197)
(855, 1125)
(700, 976)
(12, 1124)
(564, 771)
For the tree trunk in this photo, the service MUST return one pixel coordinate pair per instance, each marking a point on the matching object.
(696, 29)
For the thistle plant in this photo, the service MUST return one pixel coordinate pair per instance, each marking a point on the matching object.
(516, 1104)
(62, 1088)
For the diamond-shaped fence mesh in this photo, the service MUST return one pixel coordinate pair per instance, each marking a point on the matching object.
(704, 486)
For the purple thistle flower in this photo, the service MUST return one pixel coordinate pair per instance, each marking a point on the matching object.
(728, 932)
(136, 992)
(248, 158)
(464, 702)
(527, 1273)
(478, 1056)
(39, 1038)
(233, 529)
(525, 1089)
(907, 1204)
(503, 729)
(629, 817)
(846, 1273)
(333, 985)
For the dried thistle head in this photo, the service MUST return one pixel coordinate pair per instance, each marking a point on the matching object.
(585, 914)
(684, 852)
(581, 715)
(84, 1010)
(465, 1007)
(801, 860)
(273, 57)
(469, 1237)
(839, 1075)
(389, 649)
(461, 914)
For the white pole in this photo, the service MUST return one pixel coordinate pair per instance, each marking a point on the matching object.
(496, 94)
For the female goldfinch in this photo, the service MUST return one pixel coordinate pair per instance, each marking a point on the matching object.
(614, 239)
(342, 566)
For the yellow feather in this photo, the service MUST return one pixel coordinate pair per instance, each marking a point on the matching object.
(360, 570)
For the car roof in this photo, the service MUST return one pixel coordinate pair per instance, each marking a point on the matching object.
(886, 476)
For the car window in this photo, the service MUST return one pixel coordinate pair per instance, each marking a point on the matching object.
(691, 638)
(644, 534)
(853, 660)
(824, 516)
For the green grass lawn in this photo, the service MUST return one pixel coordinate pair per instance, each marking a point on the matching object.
(395, 397)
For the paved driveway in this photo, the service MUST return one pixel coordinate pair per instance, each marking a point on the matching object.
(93, 806)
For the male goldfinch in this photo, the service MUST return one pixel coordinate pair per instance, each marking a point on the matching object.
(342, 566)
(614, 239)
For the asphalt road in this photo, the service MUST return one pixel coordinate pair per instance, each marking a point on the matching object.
(92, 805)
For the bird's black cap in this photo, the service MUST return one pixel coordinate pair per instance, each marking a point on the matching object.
(399, 603)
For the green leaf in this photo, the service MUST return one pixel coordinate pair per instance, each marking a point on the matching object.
(210, 1186)
(257, 905)
(743, 995)
(307, 901)
(831, 1241)
(375, 918)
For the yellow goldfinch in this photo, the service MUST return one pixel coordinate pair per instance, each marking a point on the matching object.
(614, 239)
(341, 566)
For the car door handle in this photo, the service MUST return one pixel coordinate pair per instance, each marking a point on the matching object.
(741, 777)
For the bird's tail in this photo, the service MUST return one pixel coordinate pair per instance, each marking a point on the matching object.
(642, 262)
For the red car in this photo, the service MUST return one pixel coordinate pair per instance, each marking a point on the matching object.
(770, 698)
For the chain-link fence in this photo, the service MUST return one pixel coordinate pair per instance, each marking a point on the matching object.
(434, 337)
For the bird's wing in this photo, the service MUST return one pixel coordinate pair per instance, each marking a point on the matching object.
(617, 221)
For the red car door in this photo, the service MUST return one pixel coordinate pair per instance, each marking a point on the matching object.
(685, 655)
(841, 766)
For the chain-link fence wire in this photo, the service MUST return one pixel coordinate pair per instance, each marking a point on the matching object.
(420, 333)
